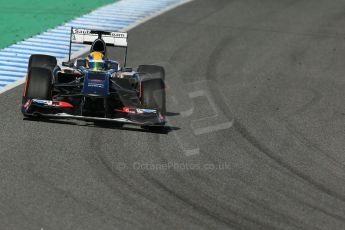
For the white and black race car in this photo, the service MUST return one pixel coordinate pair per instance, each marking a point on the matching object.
(116, 93)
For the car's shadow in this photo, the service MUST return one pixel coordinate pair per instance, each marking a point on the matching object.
(108, 125)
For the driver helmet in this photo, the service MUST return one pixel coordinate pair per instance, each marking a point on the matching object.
(95, 61)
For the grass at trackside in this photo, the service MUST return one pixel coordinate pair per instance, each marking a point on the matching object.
(22, 19)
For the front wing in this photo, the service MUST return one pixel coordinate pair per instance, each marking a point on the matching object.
(60, 110)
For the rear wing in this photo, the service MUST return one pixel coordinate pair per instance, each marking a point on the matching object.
(86, 36)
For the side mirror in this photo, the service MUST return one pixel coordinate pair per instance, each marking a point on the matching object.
(67, 64)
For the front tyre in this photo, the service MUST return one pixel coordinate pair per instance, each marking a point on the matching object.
(39, 77)
(153, 95)
(39, 84)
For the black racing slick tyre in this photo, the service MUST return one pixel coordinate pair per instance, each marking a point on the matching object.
(39, 84)
(153, 95)
(39, 77)
(42, 61)
(152, 72)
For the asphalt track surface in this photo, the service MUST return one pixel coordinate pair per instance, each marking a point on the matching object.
(255, 86)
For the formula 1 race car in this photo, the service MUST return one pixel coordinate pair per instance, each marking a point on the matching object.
(77, 90)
